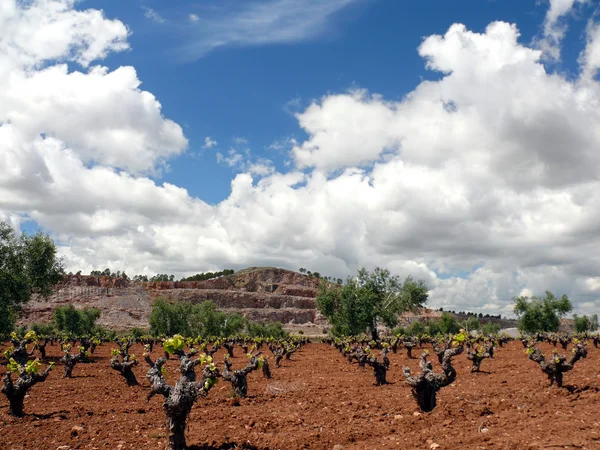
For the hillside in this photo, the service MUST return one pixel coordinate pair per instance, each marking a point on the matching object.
(259, 293)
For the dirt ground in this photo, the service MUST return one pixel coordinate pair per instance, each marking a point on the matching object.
(318, 401)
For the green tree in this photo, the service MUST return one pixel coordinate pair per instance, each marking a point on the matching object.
(585, 323)
(368, 298)
(187, 319)
(539, 314)
(26, 263)
(471, 324)
(448, 324)
(78, 322)
(490, 328)
(170, 318)
(268, 329)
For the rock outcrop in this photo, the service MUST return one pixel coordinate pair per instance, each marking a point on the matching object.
(260, 294)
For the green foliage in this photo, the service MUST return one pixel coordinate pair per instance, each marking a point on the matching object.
(417, 328)
(540, 314)
(268, 329)
(26, 263)
(163, 277)
(448, 324)
(138, 332)
(104, 333)
(43, 329)
(188, 319)
(585, 323)
(368, 298)
(174, 344)
(471, 324)
(75, 321)
(490, 328)
(208, 275)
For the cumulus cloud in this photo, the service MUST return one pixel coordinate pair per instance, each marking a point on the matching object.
(485, 182)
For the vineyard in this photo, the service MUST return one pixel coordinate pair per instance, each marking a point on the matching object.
(447, 393)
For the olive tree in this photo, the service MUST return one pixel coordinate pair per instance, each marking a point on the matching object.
(26, 263)
(368, 298)
(541, 314)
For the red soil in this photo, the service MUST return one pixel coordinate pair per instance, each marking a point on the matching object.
(318, 401)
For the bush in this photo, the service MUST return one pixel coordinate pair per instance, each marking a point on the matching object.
(490, 328)
(541, 314)
(75, 321)
(137, 332)
(43, 329)
(585, 323)
(104, 333)
(416, 328)
(268, 329)
(188, 319)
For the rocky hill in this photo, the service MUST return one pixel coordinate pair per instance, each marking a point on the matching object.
(259, 293)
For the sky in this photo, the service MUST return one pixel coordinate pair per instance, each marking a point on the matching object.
(457, 141)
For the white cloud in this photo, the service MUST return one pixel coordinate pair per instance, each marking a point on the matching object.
(489, 175)
(209, 143)
(240, 141)
(554, 29)
(590, 57)
(259, 23)
(193, 17)
(232, 159)
(152, 15)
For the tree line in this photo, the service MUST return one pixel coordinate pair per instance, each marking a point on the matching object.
(160, 276)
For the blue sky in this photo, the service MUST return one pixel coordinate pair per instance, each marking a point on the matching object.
(252, 91)
(454, 141)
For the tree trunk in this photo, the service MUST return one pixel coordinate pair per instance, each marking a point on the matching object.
(558, 376)
(130, 377)
(380, 372)
(374, 333)
(176, 430)
(426, 397)
(16, 403)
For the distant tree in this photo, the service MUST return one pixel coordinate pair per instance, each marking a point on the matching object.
(448, 324)
(539, 314)
(302, 270)
(188, 319)
(26, 263)
(162, 277)
(266, 330)
(489, 328)
(471, 324)
(585, 323)
(208, 275)
(76, 321)
(368, 298)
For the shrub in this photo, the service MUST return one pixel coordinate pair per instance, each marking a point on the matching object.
(585, 323)
(188, 319)
(266, 330)
(75, 321)
(539, 314)
(43, 329)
